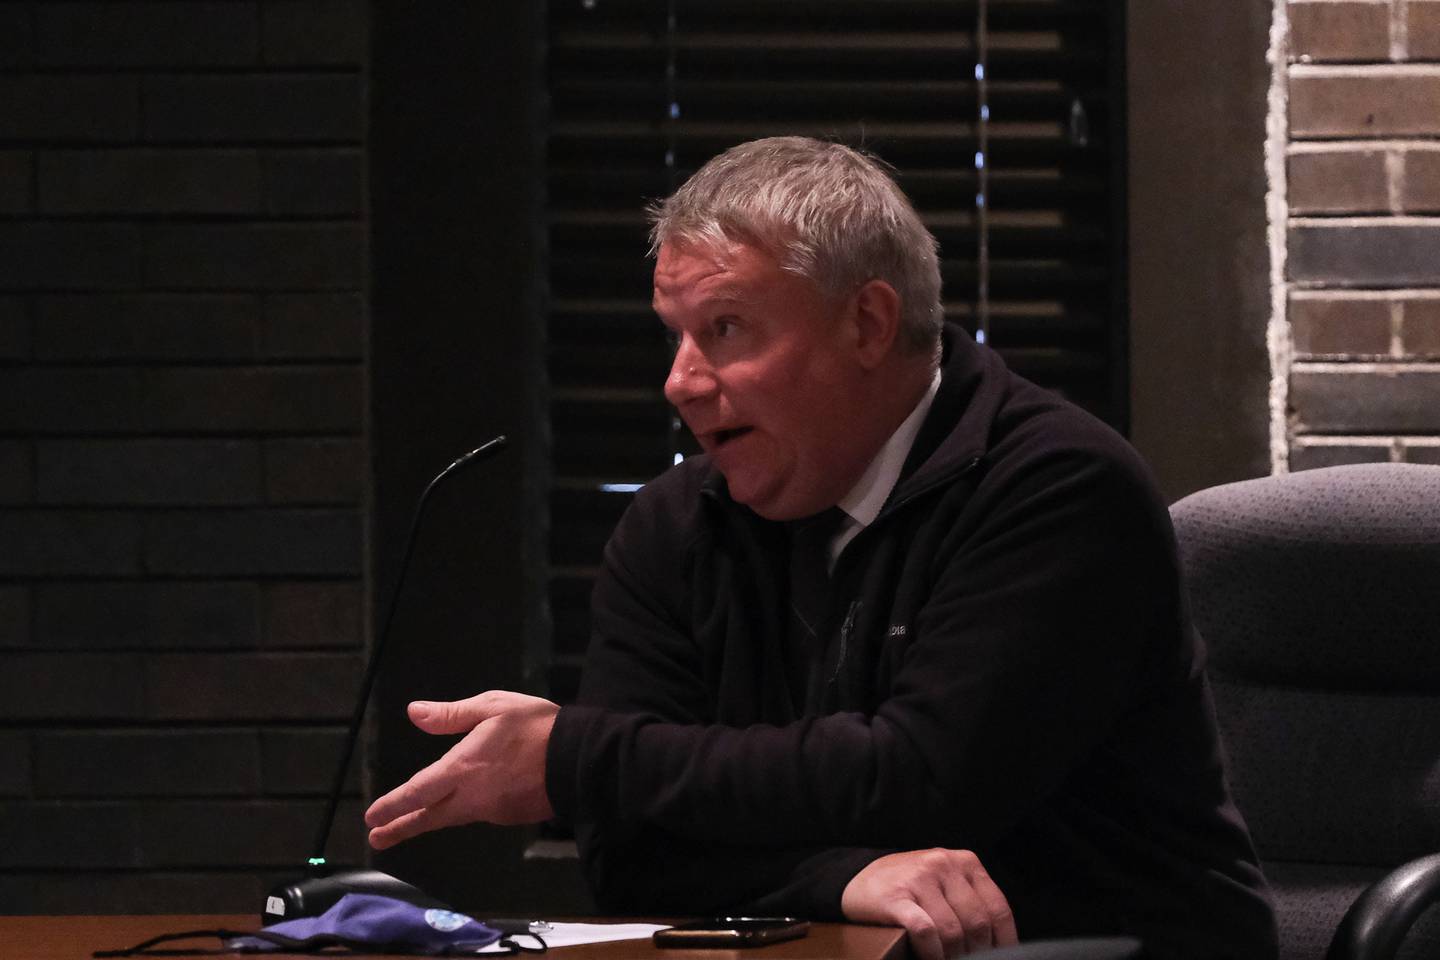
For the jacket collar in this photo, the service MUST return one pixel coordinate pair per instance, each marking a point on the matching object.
(957, 431)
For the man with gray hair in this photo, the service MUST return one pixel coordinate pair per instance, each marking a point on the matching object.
(905, 645)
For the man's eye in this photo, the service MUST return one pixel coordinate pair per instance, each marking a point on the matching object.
(672, 339)
(725, 327)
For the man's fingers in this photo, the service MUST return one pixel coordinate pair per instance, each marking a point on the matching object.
(410, 825)
(495, 772)
(452, 716)
(978, 903)
(394, 832)
(424, 789)
(920, 929)
(973, 916)
(950, 924)
(1002, 919)
(944, 898)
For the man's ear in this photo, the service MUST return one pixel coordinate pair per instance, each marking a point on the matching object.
(877, 322)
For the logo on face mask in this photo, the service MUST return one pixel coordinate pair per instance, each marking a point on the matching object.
(445, 921)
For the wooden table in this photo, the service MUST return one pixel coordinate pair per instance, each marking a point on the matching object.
(74, 937)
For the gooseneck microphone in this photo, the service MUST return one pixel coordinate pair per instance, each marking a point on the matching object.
(321, 889)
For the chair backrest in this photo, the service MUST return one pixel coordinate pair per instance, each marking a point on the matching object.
(1318, 597)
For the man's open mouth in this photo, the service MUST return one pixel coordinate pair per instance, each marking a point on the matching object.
(723, 437)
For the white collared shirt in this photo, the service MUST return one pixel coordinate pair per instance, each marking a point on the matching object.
(862, 504)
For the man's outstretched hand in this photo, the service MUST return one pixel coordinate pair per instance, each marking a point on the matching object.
(496, 773)
(944, 899)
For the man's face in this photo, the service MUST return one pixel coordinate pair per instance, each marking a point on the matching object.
(762, 376)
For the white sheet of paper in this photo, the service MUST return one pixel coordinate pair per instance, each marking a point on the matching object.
(574, 934)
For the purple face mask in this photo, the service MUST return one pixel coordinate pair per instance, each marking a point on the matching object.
(362, 919)
(360, 922)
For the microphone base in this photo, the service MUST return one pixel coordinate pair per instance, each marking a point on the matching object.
(314, 895)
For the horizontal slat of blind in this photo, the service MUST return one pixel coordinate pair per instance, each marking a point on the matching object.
(573, 187)
(894, 76)
(577, 277)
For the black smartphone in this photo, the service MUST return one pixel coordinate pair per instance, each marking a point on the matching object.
(732, 932)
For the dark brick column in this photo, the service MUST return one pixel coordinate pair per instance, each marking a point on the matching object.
(183, 444)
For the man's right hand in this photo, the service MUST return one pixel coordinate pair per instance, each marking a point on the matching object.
(944, 899)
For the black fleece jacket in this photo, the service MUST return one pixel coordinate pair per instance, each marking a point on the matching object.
(1009, 669)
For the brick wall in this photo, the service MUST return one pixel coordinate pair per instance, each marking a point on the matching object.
(182, 444)
(1362, 176)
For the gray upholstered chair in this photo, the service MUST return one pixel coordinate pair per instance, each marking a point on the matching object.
(1318, 596)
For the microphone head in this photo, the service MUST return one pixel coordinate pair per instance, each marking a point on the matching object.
(485, 451)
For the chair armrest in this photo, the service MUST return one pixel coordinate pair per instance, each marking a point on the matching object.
(1376, 923)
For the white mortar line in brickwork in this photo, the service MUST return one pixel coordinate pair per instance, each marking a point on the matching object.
(1399, 31)
(1340, 223)
(1397, 321)
(1359, 146)
(1343, 440)
(1365, 367)
(1391, 445)
(1324, 141)
(1395, 180)
(1372, 70)
(1389, 293)
(1316, 287)
(1335, 146)
(1277, 210)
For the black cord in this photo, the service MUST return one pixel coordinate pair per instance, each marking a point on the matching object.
(144, 949)
(521, 948)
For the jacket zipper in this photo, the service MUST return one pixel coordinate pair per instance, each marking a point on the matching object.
(846, 626)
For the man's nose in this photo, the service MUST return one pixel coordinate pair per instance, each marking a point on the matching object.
(690, 376)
